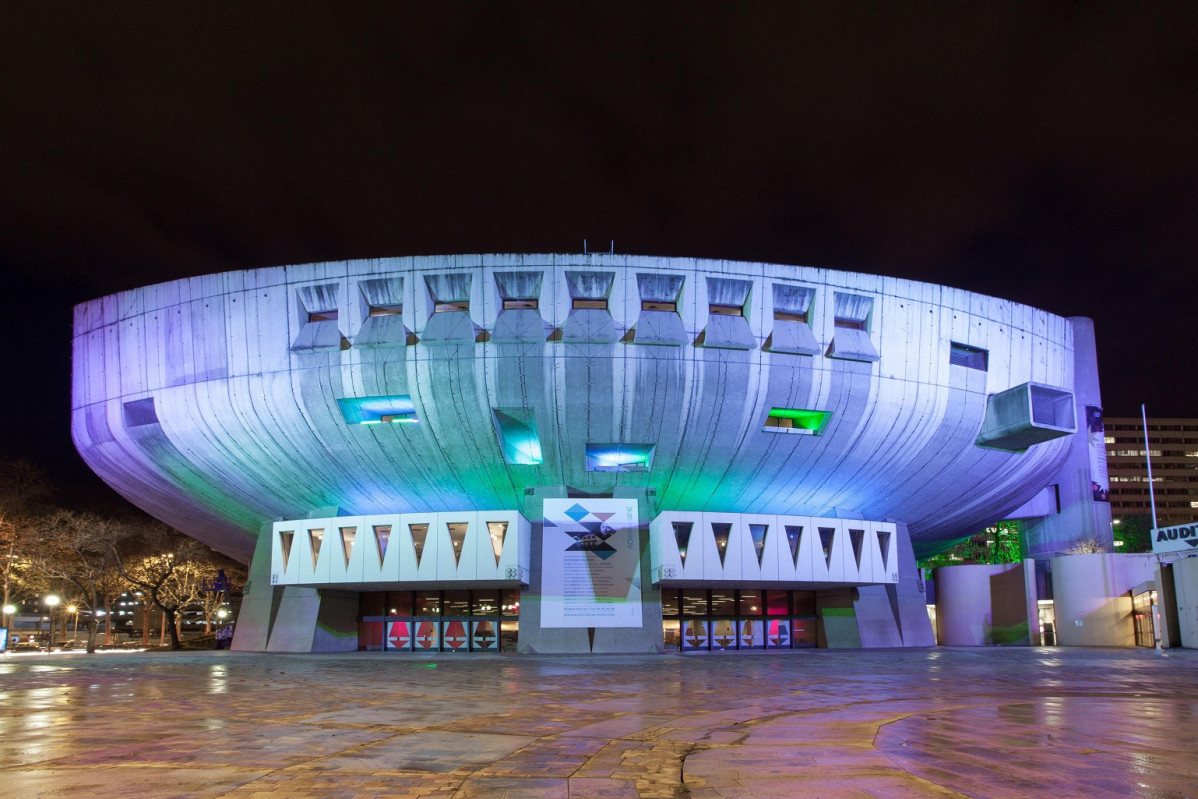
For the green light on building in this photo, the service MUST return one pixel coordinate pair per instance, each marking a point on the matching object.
(797, 420)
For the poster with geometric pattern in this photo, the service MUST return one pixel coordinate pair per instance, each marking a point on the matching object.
(591, 564)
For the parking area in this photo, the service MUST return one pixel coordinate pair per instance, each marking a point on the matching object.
(998, 722)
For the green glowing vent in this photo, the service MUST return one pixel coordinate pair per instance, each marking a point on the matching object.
(796, 420)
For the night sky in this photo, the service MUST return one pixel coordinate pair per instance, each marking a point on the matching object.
(1043, 153)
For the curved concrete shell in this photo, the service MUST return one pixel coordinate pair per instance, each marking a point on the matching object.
(427, 384)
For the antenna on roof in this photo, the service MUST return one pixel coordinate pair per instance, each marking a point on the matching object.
(612, 251)
(584, 246)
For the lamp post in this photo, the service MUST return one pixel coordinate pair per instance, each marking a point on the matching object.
(51, 601)
(9, 610)
(74, 611)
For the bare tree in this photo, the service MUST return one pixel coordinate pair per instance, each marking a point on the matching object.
(23, 490)
(77, 549)
(159, 562)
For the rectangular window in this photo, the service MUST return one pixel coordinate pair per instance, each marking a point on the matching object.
(619, 457)
(797, 420)
(581, 303)
(750, 603)
(322, 316)
(849, 324)
(785, 316)
(397, 409)
(726, 310)
(449, 307)
(386, 310)
(139, 413)
(967, 356)
(523, 304)
(655, 305)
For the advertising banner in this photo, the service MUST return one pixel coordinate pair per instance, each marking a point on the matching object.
(1100, 485)
(590, 563)
(1182, 538)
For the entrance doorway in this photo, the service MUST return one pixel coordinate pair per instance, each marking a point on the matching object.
(701, 619)
(480, 620)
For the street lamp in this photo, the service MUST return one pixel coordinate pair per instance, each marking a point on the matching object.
(51, 602)
(74, 611)
(9, 610)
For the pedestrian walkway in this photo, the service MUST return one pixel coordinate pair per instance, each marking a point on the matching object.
(883, 723)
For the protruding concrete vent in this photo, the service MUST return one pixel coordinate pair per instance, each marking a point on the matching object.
(1026, 415)
(727, 327)
(381, 306)
(851, 340)
(449, 323)
(520, 301)
(320, 328)
(590, 320)
(792, 322)
(659, 322)
(139, 413)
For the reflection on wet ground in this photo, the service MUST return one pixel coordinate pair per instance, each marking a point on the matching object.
(885, 723)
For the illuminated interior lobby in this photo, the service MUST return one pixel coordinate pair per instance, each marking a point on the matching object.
(585, 453)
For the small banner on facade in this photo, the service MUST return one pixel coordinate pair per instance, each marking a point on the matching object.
(1182, 538)
(590, 563)
(1100, 484)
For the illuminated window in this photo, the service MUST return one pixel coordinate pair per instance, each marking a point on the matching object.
(457, 537)
(654, 305)
(517, 431)
(722, 531)
(385, 310)
(348, 534)
(581, 303)
(797, 420)
(449, 307)
(322, 316)
(619, 457)
(398, 409)
(382, 537)
(967, 356)
(316, 537)
(498, 532)
(521, 304)
(285, 539)
(419, 536)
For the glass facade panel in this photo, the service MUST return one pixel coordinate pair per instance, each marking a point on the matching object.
(399, 603)
(723, 602)
(777, 603)
(694, 602)
(456, 603)
(510, 602)
(370, 603)
(428, 603)
(669, 603)
(750, 603)
(484, 603)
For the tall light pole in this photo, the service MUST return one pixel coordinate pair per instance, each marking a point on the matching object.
(9, 610)
(51, 602)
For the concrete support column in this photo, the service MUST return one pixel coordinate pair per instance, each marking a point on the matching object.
(260, 600)
(1079, 517)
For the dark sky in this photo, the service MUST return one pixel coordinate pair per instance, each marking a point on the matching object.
(1045, 153)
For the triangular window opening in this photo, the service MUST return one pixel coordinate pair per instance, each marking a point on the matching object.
(317, 538)
(382, 537)
(498, 532)
(884, 545)
(722, 532)
(419, 536)
(826, 534)
(457, 536)
(285, 539)
(857, 538)
(758, 532)
(682, 534)
(794, 535)
(348, 534)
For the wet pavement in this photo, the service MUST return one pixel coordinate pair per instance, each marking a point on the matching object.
(883, 723)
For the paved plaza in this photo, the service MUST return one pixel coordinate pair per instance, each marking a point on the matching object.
(818, 723)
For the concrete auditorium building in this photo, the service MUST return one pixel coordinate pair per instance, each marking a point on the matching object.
(587, 453)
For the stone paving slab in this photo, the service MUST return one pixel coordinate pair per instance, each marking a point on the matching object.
(1000, 723)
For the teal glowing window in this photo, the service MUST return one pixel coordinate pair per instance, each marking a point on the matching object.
(517, 429)
(619, 457)
(795, 420)
(398, 409)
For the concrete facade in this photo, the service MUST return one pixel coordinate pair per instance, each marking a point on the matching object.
(727, 396)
